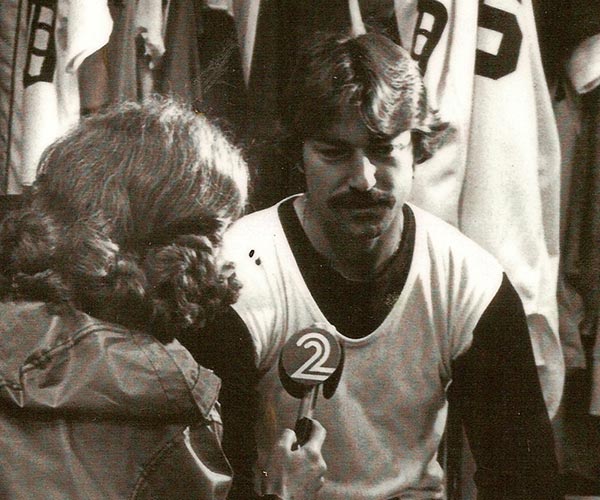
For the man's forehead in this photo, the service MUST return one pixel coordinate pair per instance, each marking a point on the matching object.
(336, 137)
(348, 126)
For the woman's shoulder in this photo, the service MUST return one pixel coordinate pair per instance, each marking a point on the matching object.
(71, 361)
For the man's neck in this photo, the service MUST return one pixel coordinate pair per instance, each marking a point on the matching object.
(354, 258)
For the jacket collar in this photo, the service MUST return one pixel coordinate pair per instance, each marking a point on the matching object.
(77, 364)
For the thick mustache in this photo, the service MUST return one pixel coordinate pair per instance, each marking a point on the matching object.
(362, 199)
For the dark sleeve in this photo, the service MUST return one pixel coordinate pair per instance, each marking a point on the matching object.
(225, 346)
(497, 393)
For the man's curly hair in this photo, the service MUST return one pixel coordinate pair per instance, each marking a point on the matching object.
(126, 219)
(335, 71)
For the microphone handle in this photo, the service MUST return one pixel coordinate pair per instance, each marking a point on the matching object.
(303, 427)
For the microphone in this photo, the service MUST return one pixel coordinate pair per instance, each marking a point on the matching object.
(310, 358)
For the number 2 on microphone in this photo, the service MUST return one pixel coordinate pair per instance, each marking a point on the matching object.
(313, 368)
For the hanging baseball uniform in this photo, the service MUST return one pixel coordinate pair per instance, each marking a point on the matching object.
(59, 35)
(498, 179)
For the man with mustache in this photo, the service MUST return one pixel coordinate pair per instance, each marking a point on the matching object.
(425, 316)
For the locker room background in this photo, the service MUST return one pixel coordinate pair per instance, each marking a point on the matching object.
(520, 80)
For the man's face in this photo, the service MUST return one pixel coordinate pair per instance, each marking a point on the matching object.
(356, 183)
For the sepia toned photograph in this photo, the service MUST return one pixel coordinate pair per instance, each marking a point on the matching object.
(299, 249)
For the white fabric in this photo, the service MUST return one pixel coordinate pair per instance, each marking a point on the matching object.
(245, 13)
(397, 427)
(89, 25)
(150, 24)
(498, 179)
(226, 5)
(358, 26)
(583, 66)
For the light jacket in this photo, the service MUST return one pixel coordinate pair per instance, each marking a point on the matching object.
(90, 410)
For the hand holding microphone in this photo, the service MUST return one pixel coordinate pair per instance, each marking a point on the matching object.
(295, 473)
(311, 358)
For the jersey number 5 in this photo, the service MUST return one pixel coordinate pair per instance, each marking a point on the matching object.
(492, 21)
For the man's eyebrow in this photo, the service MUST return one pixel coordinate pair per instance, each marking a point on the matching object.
(331, 141)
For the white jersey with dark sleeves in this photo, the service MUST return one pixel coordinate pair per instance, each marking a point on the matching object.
(390, 407)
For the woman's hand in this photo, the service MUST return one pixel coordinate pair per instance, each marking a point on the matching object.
(295, 472)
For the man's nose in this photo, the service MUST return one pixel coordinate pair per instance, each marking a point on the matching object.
(363, 173)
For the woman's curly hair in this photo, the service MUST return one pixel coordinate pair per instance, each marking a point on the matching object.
(126, 220)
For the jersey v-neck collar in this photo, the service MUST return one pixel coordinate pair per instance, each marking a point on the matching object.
(355, 308)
